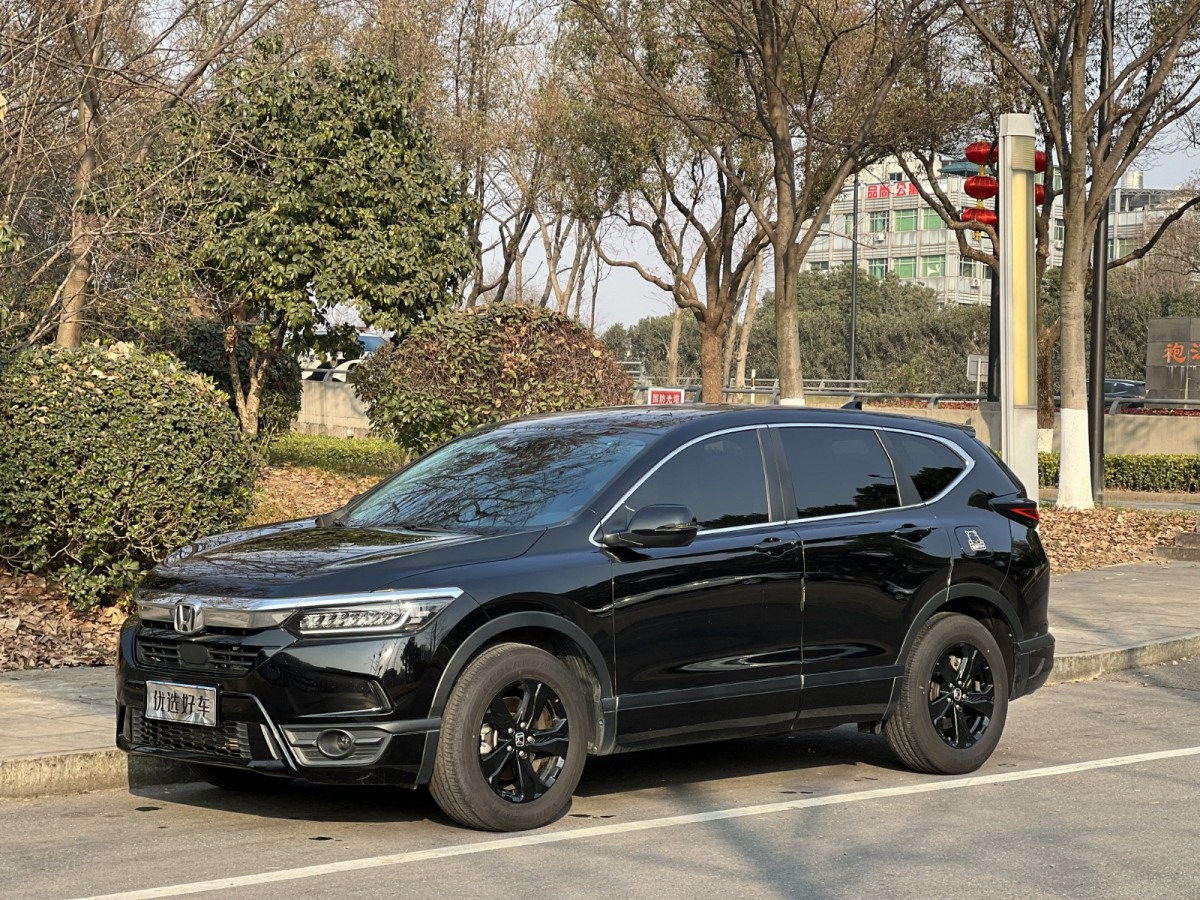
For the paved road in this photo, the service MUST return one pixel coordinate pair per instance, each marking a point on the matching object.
(1094, 792)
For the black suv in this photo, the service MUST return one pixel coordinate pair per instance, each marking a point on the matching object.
(596, 582)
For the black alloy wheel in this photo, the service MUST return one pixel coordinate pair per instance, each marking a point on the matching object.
(524, 740)
(962, 695)
(513, 741)
(953, 698)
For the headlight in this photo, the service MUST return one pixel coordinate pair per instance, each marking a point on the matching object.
(402, 617)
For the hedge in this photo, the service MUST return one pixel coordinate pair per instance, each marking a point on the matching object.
(1157, 473)
(342, 456)
(110, 457)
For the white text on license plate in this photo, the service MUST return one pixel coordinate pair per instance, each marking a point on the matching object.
(187, 703)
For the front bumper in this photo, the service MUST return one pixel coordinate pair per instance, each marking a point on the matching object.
(370, 699)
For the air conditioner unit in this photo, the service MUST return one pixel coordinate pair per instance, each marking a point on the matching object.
(974, 282)
(879, 238)
(1058, 245)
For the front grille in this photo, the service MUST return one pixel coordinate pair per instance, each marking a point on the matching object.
(230, 740)
(171, 650)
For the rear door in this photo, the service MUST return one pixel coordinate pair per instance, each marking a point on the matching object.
(874, 554)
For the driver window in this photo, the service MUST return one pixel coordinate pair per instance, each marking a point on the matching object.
(719, 478)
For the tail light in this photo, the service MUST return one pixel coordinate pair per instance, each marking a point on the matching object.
(1023, 512)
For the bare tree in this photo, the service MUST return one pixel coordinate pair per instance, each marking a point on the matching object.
(816, 77)
(116, 66)
(1152, 84)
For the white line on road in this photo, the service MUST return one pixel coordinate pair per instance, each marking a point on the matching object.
(554, 837)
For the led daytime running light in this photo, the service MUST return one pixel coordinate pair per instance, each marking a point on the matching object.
(403, 618)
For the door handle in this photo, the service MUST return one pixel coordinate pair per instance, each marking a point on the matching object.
(913, 533)
(775, 546)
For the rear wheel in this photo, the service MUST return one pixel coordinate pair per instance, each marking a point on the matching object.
(513, 742)
(953, 699)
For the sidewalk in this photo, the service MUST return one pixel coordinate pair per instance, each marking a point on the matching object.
(57, 726)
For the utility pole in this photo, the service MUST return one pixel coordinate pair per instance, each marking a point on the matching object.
(1100, 280)
(854, 283)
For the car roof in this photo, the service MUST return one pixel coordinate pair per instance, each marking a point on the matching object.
(713, 416)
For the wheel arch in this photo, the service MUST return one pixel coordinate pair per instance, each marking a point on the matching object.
(556, 635)
(979, 602)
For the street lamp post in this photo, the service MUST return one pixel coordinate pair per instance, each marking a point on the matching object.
(854, 283)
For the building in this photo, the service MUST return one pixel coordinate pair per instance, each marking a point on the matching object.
(899, 233)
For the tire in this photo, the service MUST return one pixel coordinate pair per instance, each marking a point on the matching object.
(243, 781)
(498, 768)
(953, 698)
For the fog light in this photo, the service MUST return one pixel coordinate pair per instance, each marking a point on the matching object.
(335, 743)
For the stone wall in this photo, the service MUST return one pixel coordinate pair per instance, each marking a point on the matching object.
(331, 407)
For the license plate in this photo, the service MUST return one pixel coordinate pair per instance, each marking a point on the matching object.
(187, 703)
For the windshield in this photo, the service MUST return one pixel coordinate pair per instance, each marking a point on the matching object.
(519, 476)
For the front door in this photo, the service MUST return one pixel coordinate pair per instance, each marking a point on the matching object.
(708, 635)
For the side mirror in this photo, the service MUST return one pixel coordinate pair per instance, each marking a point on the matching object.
(664, 525)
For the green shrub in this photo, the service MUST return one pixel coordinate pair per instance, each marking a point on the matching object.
(342, 456)
(109, 458)
(1160, 473)
(466, 369)
(201, 346)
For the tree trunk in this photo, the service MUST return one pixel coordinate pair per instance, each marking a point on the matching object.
(673, 347)
(787, 327)
(1046, 342)
(1075, 470)
(712, 355)
(85, 224)
(744, 338)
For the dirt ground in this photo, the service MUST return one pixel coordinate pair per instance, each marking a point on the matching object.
(38, 629)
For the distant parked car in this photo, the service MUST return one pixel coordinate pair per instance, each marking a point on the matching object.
(338, 368)
(600, 581)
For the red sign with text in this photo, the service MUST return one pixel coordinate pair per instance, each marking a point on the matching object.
(665, 396)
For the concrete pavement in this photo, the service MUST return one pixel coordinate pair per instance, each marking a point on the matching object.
(57, 727)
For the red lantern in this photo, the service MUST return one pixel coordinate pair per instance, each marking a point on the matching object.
(1039, 162)
(981, 187)
(1039, 193)
(981, 152)
(980, 216)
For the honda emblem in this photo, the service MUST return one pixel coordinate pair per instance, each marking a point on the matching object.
(188, 618)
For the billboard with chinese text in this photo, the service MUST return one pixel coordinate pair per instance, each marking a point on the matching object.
(1173, 358)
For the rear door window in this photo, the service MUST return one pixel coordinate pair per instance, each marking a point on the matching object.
(838, 470)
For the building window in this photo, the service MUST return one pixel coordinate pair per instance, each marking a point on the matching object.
(895, 176)
(905, 267)
(933, 266)
(931, 221)
(906, 219)
(877, 268)
(818, 267)
(1059, 229)
(879, 221)
(848, 225)
(966, 268)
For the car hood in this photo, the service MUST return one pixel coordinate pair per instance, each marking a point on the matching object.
(297, 559)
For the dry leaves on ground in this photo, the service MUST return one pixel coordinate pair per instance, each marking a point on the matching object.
(38, 629)
(1076, 540)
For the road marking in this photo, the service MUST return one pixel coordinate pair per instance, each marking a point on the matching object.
(596, 831)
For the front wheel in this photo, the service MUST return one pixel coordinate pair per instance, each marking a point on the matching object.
(953, 698)
(513, 742)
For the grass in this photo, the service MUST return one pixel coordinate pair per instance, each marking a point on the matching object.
(372, 457)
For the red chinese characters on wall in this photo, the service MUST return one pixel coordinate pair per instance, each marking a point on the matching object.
(895, 189)
(1177, 353)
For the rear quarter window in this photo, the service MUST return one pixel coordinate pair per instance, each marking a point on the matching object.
(931, 465)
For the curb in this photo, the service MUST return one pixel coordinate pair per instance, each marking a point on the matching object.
(85, 770)
(1086, 666)
(96, 770)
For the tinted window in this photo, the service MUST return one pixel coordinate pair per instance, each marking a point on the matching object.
(719, 478)
(838, 470)
(931, 464)
(502, 480)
